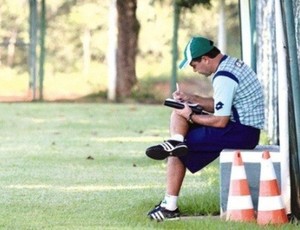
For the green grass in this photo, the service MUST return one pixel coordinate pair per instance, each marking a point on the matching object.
(47, 180)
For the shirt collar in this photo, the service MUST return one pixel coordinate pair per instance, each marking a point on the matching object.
(222, 59)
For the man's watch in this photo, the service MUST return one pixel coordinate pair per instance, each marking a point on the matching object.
(190, 119)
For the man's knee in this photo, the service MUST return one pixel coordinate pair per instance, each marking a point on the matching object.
(175, 162)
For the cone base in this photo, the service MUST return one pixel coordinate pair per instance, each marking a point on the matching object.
(272, 217)
(246, 215)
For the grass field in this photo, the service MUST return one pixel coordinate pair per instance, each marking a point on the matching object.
(82, 166)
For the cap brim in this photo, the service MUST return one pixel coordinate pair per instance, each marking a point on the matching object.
(184, 63)
(187, 56)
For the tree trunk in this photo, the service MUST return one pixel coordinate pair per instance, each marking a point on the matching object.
(128, 29)
(86, 40)
(176, 21)
(222, 27)
(11, 48)
(32, 47)
(42, 48)
(111, 51)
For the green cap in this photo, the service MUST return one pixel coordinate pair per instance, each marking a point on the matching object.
(196, 47)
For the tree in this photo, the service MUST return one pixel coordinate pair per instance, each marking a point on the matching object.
(111, 52)
(128, 30)
(33, 44)
(42, 47)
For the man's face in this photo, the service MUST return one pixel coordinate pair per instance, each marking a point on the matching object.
(201, 66)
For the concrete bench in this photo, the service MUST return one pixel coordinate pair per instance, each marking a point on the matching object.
(251, 159)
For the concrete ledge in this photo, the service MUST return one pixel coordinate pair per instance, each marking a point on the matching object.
(251, 155)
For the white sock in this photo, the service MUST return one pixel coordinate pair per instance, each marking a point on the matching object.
(169, 202)
(177, 137)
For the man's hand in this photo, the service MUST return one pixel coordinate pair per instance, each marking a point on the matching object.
(185, 112)
(181, 96)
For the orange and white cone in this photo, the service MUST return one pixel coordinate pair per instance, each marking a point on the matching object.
(239, 205)
(270, 206)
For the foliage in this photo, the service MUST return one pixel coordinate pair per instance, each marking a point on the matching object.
(69, 22)
(13, 30)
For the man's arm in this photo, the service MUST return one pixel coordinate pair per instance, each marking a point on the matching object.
(210, 120)
(207, 103)
(207, 120)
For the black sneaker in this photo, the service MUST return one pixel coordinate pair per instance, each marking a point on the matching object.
(166, 149)
(160, 214)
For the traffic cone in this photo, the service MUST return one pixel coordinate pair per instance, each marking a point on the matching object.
(270, 206)
(239, 205)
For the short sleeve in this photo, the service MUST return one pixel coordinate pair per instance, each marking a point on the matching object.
(224, 91)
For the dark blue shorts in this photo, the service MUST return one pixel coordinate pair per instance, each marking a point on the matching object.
(205, 143)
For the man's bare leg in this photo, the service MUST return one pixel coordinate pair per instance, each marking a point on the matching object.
(175, 175)
(178, 125)
(173, 146)
(175, 169)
